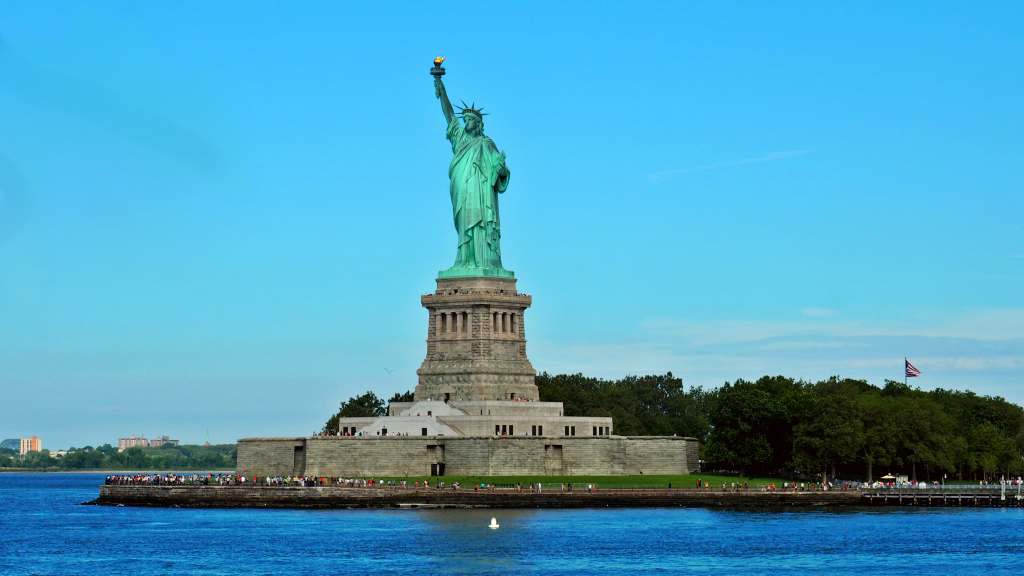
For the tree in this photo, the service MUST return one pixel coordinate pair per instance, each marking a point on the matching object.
(751, 428)
(830, 431)
(923, 434)
(366, 405)
(878, 446)
(134, 458)
(407, 396)
(83, 458)
(40, 459)
(639, 405)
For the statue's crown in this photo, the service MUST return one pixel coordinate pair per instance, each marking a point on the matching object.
(471, 109)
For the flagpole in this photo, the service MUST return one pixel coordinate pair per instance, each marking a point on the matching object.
(904, 370)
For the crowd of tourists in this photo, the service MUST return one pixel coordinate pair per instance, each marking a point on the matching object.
(170, 479)
(793, 486)
(233, 479)
(786, 486)
(209, 479)
(702, 484)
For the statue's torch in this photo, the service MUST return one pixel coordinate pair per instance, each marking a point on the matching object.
(437, 71)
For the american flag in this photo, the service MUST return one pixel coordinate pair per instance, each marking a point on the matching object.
(910, 370)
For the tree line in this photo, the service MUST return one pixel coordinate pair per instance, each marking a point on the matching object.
(779, 426)
(106, 457)
(851, 428)
(838, 427)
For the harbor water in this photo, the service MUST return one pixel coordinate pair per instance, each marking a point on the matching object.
(45, 530)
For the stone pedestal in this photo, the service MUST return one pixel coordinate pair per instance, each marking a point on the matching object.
(476, 342)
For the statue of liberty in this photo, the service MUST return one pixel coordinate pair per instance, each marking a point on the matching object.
(478, 174)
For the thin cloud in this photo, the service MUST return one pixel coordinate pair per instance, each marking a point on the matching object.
(776, 156)
(950, 363)
(976, 324)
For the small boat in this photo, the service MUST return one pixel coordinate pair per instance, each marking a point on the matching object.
(494, 524)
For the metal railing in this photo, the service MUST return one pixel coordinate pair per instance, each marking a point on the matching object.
(965, 488)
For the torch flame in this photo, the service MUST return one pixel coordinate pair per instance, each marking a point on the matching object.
(438, 61)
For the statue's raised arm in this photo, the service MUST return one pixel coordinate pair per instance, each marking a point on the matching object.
(442, 95)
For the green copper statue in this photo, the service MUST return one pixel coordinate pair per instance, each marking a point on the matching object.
(477, 174)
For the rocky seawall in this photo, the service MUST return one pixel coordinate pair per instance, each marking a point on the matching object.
(338, 497)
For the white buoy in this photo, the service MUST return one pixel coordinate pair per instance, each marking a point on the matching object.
(494, 524)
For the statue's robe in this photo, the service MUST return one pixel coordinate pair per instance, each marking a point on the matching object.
(477, 174)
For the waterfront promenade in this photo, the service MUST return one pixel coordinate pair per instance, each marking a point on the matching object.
(235, 496)
(226, 492)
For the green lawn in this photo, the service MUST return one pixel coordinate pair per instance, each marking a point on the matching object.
(637, 481)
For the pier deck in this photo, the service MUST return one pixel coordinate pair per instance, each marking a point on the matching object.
(957, 496)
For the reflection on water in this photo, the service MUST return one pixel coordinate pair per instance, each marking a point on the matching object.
(502, 550)
(467, 521)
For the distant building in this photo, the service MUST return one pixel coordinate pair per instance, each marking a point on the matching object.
(141, 442)
(30, 444)
(11, 444)
(162, 441)
(131, 442)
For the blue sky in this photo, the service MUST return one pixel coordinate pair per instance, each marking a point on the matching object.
(216, 220)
